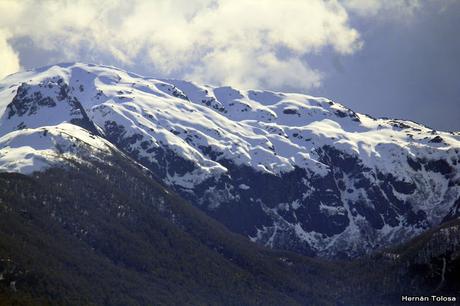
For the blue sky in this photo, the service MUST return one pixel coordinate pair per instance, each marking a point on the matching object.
(396, 58)
(404, 70)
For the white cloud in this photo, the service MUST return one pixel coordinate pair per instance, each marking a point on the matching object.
(9, 60)
(248, 43)
(255, 70)
(238, 42)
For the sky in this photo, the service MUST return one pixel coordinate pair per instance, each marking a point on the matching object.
(397, 58)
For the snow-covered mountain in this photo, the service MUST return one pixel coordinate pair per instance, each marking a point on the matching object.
(287, 170)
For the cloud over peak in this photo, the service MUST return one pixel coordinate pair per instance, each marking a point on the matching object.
(246, 43)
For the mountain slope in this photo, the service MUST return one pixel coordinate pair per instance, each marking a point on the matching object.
(289, 171)
(426, 266)
(108, 234)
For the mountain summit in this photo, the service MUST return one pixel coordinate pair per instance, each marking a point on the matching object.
(289, 171)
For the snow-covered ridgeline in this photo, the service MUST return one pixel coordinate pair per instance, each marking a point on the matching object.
(203, 140)
(269, 131)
